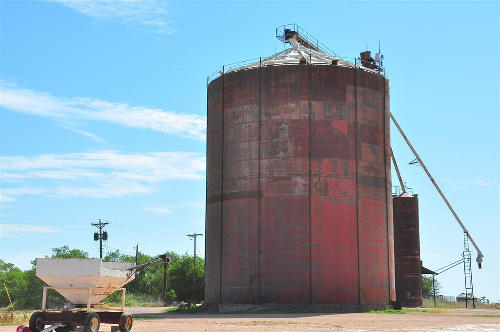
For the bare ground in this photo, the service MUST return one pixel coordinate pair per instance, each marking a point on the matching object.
(432, 320)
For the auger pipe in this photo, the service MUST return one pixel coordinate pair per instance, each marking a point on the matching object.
(163, 260)
(397, 171)
(480, 256)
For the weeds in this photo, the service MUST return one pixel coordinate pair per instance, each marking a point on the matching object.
(12, 318)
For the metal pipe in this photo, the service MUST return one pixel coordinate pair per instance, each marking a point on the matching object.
(397, 171)
(480, 256)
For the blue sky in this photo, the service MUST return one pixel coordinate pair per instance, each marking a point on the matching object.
(103, 109)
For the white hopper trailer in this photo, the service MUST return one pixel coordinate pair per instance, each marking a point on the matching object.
(84, 282)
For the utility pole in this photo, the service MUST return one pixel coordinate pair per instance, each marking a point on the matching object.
(166, 260)
(101, 235)
(136, 281)
(193, 237)
(136, 255)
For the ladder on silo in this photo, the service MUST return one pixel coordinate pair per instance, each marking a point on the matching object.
(469, 288)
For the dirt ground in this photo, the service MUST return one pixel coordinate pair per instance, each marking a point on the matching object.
(432, 320)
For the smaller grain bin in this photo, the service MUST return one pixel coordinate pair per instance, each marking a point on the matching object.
(407, 250)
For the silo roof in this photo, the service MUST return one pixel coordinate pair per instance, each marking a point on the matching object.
(297, 55)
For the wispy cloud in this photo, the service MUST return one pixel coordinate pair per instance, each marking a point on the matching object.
(162, 210)
(198, 205)
(82, 109)
(468, 184)
(153, 14)
(8, 195)
(482, 183)
(101, 174)
(158, 210)
(83, 132)
(16, 230)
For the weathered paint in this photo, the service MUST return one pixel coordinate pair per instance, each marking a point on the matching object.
(407, 251)
(298, 187)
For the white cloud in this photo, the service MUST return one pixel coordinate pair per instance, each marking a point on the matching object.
(88, 109)
(101, 174)
(198, 205)
(150, 13)
(15, 230)
(482, 183)
(468, 184)
(158, 210)
(83, 132)
(8, 195)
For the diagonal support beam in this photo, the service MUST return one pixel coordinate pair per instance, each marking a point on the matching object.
(480, 256)
(397, 172)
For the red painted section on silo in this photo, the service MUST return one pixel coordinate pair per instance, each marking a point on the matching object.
(333, 171)
(303, 202)
(407, 251)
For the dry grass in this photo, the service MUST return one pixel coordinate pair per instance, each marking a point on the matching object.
(457, 305)
(14, 318)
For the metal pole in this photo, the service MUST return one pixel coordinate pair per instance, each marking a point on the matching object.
(480, 256)
(136, 255)
(100, 239)
(194, 269)
(194, 236)
(397, 171)
(165, 269)
(100, 225)
(434, 290)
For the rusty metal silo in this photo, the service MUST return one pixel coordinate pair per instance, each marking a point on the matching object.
(299, 208)
(407, 250)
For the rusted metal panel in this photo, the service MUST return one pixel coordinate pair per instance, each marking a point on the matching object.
(407, 251)
(285, 187)
(390, 219)
(214, 191)
(333, 194)
(304, 206)
(239, 251)
(372, 200)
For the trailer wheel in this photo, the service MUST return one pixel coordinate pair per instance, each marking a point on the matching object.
(91, 322)
(126, 322)
(37, 322)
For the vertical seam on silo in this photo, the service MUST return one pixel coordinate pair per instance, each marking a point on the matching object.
(260, 186)
(356, 131)
(386, 196)
(222, 186)
(310, 180)
(206, 194)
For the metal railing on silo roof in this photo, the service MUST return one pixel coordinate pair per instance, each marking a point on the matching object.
(228, 67)
(306, 35)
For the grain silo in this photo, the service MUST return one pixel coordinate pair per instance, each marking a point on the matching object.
(408, 270)
(299, 204)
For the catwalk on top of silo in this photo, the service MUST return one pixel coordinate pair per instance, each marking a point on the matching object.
(299, 205)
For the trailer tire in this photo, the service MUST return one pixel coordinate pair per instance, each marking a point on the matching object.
(91, 322)
(126, 322)
(37, 322)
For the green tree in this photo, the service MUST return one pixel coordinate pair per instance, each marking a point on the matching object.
(180, 275)
(15, 281)
(427, 291)
(66, 252)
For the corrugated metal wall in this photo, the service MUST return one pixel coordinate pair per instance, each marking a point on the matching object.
(299, 208)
